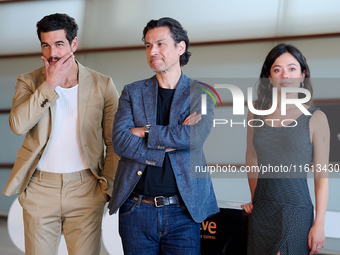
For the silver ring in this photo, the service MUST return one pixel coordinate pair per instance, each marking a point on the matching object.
(318, 247)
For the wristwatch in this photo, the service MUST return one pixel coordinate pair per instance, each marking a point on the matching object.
(146, 131)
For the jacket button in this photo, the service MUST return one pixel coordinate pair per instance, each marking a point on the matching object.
(42, 105)
(139, 172)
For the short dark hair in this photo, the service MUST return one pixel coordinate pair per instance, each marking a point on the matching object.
(58, 21)
(177, 33)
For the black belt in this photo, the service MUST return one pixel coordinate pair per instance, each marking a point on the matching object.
(156, 201)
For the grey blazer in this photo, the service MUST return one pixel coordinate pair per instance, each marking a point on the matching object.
(137, 108)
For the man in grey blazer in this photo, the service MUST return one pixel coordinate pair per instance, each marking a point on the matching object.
(159, 133)
(61, 174)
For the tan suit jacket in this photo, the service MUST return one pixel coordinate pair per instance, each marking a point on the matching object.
(33, 113)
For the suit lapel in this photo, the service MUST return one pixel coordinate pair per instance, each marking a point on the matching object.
(84, 87)
(150, 95)
(182, 93)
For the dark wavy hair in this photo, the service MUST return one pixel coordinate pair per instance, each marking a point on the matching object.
(177, 33)
(264, 90)
(58, 21)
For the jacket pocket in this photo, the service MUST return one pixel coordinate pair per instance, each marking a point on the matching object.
(24, 153)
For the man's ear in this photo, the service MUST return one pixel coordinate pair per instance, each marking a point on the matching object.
(74, 44)
(181, 46)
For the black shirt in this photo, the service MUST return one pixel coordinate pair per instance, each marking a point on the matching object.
(159, 181)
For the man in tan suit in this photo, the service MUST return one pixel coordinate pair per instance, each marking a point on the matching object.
(62, 174)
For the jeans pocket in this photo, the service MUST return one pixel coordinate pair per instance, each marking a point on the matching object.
(128, 207)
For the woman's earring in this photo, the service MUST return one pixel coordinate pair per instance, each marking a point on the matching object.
(270, 86)
(302, 85)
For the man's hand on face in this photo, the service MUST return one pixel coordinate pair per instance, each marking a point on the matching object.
(57, 71)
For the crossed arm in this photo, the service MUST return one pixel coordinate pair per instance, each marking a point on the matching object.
(192, 119)
(128, 138)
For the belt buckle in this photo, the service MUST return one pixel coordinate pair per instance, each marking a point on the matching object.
(155, 200)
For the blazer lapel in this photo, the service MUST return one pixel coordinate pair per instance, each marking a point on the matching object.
(182, 93)
(149, 93)
(84, 87)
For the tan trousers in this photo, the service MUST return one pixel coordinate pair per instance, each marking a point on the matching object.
(71, 204)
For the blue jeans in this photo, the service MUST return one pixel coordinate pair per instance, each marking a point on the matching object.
(148, 230)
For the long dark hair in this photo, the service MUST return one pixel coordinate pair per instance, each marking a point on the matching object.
(264, 90)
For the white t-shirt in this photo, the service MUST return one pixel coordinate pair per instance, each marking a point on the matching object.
(64, 153)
